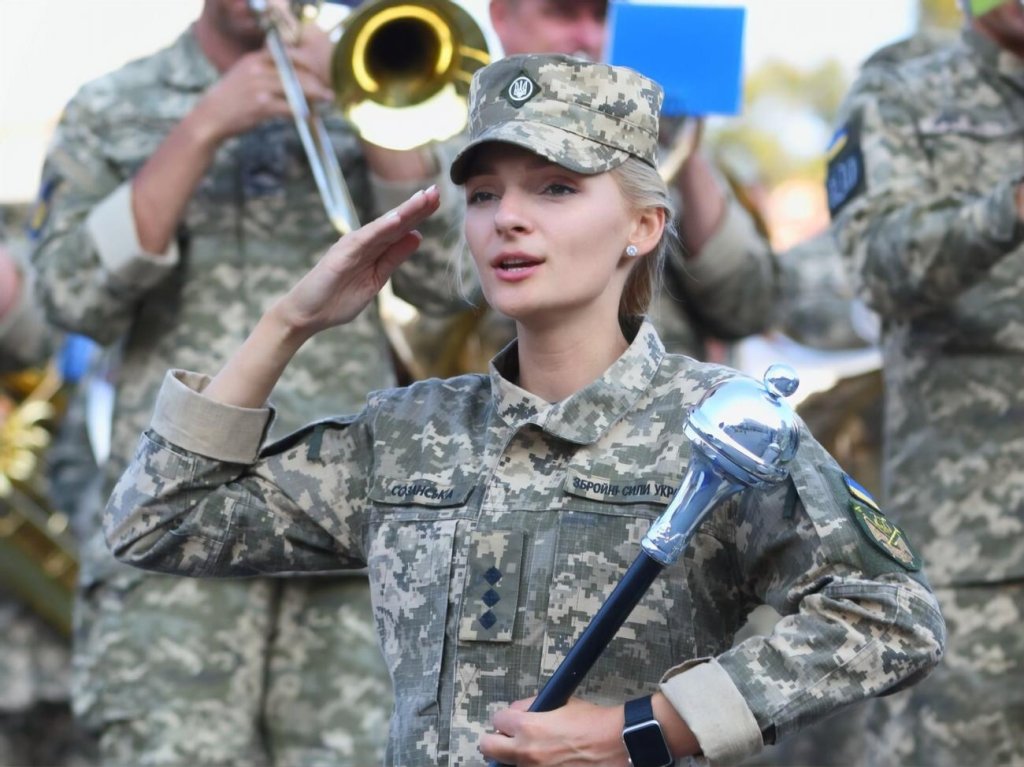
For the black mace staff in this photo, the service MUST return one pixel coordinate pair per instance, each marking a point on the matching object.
(744, 434)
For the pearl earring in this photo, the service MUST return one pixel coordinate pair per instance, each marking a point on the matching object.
(631, 251)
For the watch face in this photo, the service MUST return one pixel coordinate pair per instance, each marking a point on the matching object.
(646, 745)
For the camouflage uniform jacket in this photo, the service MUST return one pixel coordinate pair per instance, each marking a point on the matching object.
(253, 227)
(816, 306)
(922, 187)
(494, 524)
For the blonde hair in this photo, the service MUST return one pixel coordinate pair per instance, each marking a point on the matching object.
(644, 188)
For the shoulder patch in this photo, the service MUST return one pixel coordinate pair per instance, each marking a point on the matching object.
(844, 179)
(887, 536)
(41, 209)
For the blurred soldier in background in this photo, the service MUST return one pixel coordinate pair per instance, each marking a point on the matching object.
(176, 204)
(818, 308)
(36, 724)
(924, 185)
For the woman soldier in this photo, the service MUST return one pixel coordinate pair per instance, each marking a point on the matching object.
(495, 512)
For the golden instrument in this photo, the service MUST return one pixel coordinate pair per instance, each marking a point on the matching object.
(401, 72)
(38, 559)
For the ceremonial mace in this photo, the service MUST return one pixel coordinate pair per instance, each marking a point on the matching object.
(744, 434)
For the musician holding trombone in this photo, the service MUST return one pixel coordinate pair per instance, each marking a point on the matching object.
(495, 512)
(177, 201)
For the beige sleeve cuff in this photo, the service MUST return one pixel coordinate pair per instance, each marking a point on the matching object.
(184, 417)
(111, 226)
(727, 249)
(714, 709)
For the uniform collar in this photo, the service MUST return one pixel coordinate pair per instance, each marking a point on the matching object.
(185, 66)
(587, 414)
(1008, 65)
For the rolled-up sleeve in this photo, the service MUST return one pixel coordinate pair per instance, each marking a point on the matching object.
(184, 417)
(714, 709)
(111, 227)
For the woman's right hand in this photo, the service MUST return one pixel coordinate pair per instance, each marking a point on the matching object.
(334, 291)
(355, 268)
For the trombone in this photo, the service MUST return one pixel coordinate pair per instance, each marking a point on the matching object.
(400, 71)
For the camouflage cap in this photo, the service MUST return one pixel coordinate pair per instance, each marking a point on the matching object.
(585, 116)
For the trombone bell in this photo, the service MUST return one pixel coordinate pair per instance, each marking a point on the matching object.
(401, 70)
(401, 73)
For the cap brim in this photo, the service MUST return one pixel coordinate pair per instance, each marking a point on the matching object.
(562, 147)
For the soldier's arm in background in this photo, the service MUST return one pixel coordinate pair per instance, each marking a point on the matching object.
(816, 305)
(912, 243)
(727, 271)
(859, 618)
(26, 339)
(108, 239)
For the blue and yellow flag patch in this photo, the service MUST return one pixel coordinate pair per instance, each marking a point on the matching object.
(41, 209)
(845, 177)
(887, 536)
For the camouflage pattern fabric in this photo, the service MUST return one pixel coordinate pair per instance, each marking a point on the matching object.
(818, 308)
(494, 523)
(816, 304)
(36, 725)
(173, 674)
(584, 116)
(974, 701)
(922, 184)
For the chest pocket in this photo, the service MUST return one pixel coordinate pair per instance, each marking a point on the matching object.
(598, 539)
(410, 552)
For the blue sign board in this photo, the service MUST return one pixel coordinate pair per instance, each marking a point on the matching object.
(694, 51)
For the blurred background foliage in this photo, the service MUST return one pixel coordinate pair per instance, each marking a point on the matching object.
(754, 146)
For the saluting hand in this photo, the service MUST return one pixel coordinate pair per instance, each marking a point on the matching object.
(334, 291)
(356, 267)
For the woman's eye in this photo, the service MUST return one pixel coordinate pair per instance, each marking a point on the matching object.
(479, 196)
(558, 190)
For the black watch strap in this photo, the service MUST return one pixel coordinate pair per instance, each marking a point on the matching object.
(639, 710)
(643, 737)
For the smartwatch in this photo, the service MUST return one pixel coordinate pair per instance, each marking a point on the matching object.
(642, 735)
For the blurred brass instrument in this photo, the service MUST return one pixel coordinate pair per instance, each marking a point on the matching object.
(400, 72)
(684, 135)
(38, 559)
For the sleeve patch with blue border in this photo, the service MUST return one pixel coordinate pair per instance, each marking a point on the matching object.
(41, 210)
(887, 536)
(844, 178)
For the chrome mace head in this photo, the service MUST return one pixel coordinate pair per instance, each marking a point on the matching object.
(744, 434)
(746, 429)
